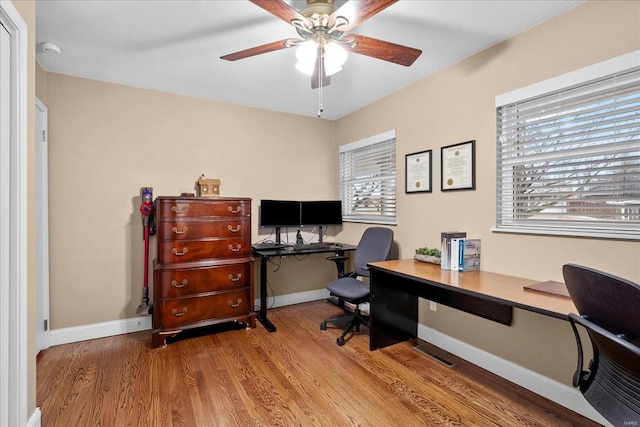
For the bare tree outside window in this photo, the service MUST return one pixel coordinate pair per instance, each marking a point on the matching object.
(570, 159)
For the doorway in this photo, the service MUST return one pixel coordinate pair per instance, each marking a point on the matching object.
(42, 226)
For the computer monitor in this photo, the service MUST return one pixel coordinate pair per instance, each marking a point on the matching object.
(279, 213)
(321, 212)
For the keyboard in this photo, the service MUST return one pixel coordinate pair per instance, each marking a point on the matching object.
(311, 246)
(268, 246)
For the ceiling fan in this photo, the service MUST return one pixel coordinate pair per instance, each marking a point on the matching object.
(322, 27)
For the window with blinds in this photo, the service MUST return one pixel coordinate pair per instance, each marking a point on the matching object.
(368, 179)
(569, 160)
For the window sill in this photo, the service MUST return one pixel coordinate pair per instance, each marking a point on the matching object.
(568, 233)
(371, 221)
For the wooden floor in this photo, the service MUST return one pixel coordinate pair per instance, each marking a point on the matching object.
(296, 376)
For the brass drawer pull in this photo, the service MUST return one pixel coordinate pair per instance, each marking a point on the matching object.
(235, 279)
(175, 230)
(234, 305)
(234, 211)
(179, 210)
(175, 284)
(180, 313)
(234, 230)
(175, 251)
(236, 249)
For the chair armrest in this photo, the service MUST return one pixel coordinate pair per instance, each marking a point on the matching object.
(580, 373)
(340, 261)
(619, 339)
(581, 376)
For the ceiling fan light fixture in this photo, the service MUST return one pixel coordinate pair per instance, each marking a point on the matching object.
(324, 25)
(306, 54)
(334, 57)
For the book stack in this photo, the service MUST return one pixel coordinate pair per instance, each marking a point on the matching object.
(468, 254)
(446, 238)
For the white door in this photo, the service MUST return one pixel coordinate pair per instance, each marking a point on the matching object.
(42, 225)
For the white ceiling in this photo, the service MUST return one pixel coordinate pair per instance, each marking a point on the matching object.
(175, 46)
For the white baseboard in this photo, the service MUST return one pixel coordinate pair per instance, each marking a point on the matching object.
(98, 330)
(36, 418)
(564, 395)
(143, 323)
(297, 298)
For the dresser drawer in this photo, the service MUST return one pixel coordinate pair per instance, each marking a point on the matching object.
(193, 250)
(185, 208)
(189, 230)
(183, 282)
(184, 311)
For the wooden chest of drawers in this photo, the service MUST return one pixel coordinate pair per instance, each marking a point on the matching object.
(203, 274)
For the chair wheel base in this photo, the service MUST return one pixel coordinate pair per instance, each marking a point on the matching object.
(340, 341)
(323, 326)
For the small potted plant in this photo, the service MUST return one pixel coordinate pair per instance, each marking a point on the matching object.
(429, 255)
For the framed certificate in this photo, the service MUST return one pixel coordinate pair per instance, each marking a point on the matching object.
(458, 166)
(418, 172)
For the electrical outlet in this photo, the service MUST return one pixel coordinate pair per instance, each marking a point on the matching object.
(433, 306)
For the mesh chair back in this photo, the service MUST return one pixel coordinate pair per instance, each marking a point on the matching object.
(608, 307)
(374, 245)
(612, 386)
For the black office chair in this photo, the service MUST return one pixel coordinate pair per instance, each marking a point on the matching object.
(375, 245)
(609, 309)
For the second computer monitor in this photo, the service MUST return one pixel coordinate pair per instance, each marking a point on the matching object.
(321, 212)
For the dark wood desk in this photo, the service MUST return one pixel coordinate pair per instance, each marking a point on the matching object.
(396, 286)
(266, 254)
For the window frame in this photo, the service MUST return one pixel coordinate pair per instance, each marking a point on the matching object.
(597, 71)
(386, 178)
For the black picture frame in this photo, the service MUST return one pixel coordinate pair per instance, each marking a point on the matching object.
(418, 167)
(458, 166)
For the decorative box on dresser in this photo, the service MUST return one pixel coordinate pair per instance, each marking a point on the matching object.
(203, 274)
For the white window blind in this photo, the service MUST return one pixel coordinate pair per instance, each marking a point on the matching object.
(368, 179)
(569, 160)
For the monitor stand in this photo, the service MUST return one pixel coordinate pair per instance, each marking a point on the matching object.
(269, 246)
(320, 234)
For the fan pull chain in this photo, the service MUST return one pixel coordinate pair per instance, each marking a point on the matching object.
(321, 80)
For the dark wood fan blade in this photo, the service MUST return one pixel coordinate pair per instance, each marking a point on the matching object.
(358, 11)
(280, 9)
(319, 77)
(258, 50)
(386, 51)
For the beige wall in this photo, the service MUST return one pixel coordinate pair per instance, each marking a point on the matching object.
(107, 141)
(457, 105)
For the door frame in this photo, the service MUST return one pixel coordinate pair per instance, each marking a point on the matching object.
(13, 347)
(42, 226)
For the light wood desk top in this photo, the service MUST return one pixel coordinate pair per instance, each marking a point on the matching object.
(498, 287)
